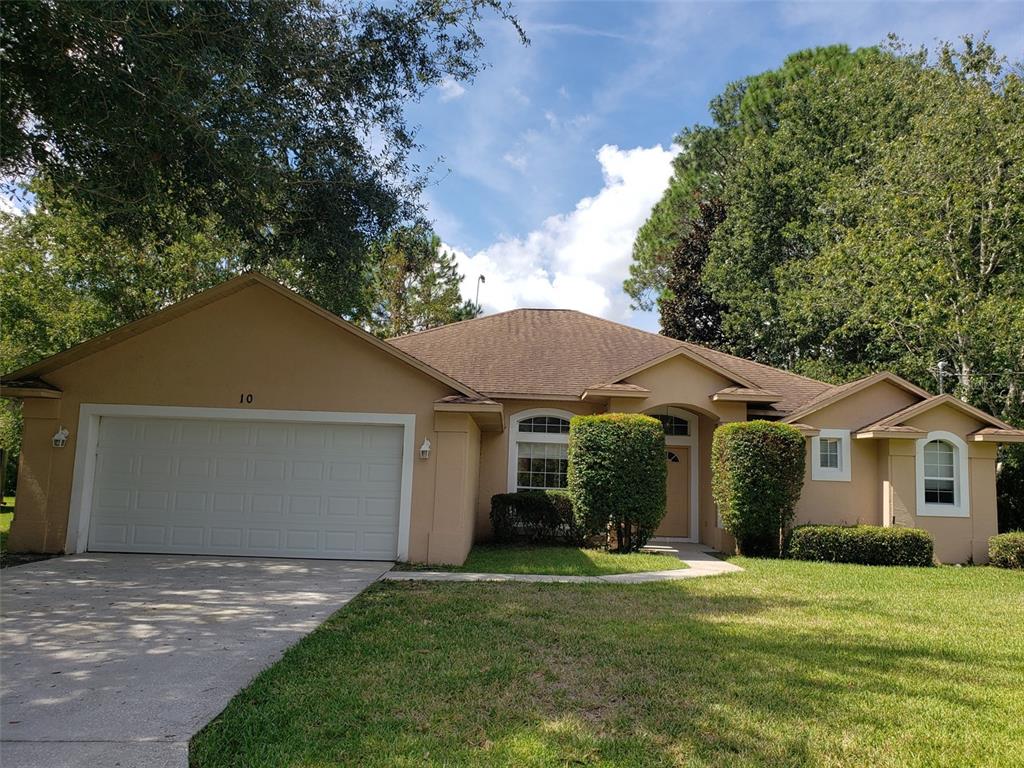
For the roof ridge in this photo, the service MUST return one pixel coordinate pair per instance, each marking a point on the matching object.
(748, 361)
(452, 325)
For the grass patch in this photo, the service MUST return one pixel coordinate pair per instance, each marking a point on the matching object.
(789, 663)
(5, 528)
(560, 561)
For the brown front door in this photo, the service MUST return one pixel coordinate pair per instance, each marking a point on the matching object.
(677, 494)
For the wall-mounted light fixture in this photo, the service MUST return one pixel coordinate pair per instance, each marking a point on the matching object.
(425, 449)
(60, 439)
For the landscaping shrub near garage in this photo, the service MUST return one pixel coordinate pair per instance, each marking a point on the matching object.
(1007, 550)
(757, 473)
(617, 476)
(537, 517)
(862, 544)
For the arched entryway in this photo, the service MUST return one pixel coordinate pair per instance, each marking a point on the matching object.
(681, 458)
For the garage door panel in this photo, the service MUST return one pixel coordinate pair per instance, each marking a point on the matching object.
(196, 487)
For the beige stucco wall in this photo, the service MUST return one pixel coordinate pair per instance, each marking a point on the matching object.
(859, 500)
(957, 539)
(457, 463)
(251, 341)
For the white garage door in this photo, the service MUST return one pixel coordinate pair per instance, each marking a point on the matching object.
(276, 489)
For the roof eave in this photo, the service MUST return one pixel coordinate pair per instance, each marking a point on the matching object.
(997, 436)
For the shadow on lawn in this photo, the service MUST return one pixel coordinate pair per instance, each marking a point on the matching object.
(660, 674)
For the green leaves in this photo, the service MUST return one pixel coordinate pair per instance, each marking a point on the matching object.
(874, 218)
(617, 475)
(863, 544)
(757, 473)
(413, 285)
(280, 120)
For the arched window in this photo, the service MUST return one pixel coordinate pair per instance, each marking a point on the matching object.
(539, 450)
(674, 426)
(942, 476)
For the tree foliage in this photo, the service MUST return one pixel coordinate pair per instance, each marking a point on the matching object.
(687, 310)
(414, 285)
(874, 218)
(282, 121)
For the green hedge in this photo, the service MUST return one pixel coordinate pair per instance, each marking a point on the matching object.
(757, 473)
(1007, 550)
(863, 544)
(617, 476)
(539, 517)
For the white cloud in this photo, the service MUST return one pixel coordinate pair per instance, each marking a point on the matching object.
(517, 160)
(451, 89)
(576, 260)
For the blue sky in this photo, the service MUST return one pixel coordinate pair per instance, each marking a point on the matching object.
(546, 164)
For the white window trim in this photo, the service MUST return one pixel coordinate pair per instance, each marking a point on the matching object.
(534, 437)
(691, 440)
(840, 474)
(962, 488)
(87, 441)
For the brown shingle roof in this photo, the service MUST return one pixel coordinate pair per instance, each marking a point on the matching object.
(561, 352)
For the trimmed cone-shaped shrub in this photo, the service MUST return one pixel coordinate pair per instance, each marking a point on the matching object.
(1007, 550)
(757, 473)
(863, 544)
(617, 476)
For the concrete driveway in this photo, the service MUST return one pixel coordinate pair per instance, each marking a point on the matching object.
(117, 660)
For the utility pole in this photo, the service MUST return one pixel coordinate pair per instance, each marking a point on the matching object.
(479, 280)
(942, 376)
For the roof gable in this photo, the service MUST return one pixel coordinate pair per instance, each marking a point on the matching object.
(900, 417)
(204, 298)
(835, 394)
(684, 351)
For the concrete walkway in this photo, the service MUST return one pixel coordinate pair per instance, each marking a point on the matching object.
(698, 558)
(117, 660)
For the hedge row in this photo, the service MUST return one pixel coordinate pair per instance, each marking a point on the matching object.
(1007, 550)
(863, 544)
(535, 517)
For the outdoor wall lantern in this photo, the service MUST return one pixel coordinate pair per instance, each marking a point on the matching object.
(60, 439)
(425, 449)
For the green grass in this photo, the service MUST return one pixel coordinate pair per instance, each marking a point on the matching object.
(560, 561)
(5, 524)
(786, 664)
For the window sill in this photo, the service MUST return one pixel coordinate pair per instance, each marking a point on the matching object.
(942, 510)
(830, 474)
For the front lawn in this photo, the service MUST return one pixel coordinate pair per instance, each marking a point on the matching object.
(5, 527)
(785, 664)
(560, 561)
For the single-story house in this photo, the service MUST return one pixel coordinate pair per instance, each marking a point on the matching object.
(246, 420)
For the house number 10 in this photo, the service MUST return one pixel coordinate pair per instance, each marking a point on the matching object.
(245, 398)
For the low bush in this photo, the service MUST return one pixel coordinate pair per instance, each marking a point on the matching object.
(617, 476)
(757, 473)
(1007, 550)
(537, 517)
(862, 544)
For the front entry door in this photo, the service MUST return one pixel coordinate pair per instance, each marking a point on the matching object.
(676, 522)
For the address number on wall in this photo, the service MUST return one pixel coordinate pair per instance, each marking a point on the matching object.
(245, 397)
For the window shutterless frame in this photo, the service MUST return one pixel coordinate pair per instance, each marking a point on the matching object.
(550, 434)
(830, 455)
(961, 506)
